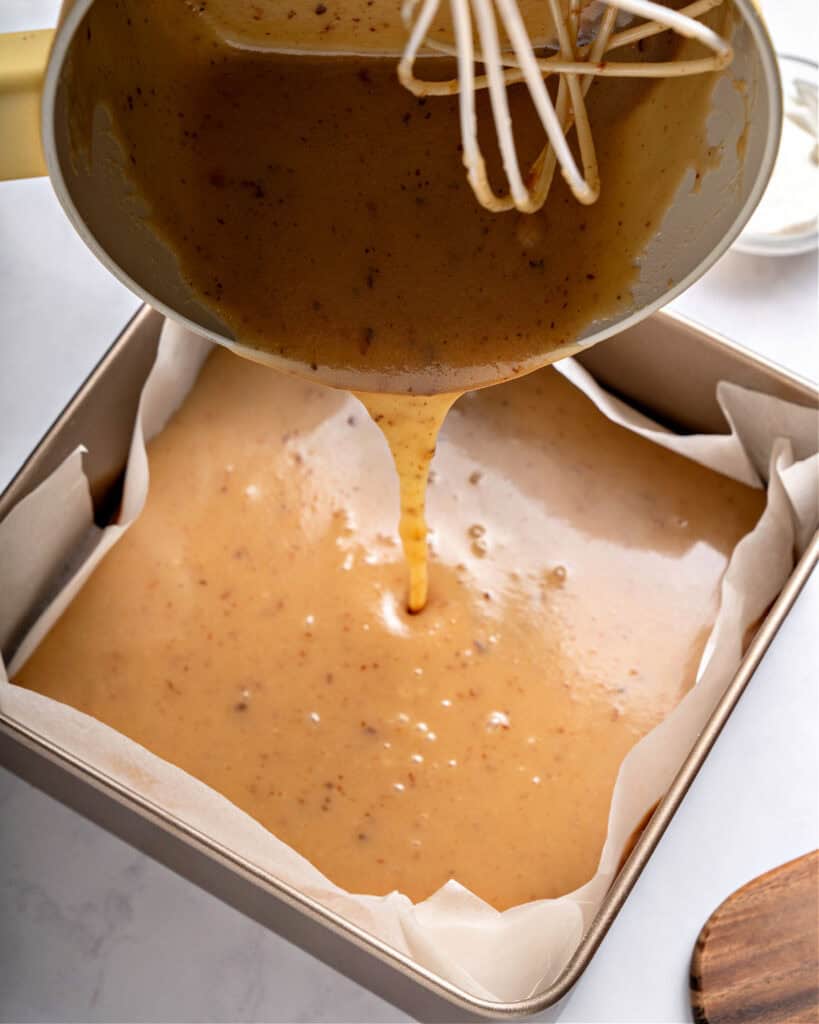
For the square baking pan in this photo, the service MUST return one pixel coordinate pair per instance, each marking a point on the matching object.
(666, 366)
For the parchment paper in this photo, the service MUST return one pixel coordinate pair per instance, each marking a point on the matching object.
(504, 956)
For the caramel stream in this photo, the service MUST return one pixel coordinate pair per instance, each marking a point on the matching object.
(411, 424)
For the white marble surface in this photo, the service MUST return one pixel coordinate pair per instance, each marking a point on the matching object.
(92, 930)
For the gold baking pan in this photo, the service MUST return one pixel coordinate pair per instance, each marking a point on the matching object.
(667, 367)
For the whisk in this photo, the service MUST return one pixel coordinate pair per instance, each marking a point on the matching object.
(580, 48)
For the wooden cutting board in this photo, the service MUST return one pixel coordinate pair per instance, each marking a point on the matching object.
(756, 961)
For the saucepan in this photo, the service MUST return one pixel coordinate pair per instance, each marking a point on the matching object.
(703, 220)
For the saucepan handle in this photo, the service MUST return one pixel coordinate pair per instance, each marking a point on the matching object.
(23, 59)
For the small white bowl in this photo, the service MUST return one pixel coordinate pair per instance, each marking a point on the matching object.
(786, 242)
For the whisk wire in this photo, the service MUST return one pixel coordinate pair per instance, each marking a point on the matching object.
(490, 45)
(581, 117)
(543, 168)
(577, 65)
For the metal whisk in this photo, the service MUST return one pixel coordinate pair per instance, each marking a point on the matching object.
(580, 47)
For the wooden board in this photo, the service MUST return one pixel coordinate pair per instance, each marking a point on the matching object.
(757, 958)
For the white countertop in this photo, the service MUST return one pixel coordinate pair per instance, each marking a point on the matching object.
(92, 930)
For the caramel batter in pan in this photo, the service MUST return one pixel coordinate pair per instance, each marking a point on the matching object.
(251, 626)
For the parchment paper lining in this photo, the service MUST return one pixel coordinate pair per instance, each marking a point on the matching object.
(503, 956)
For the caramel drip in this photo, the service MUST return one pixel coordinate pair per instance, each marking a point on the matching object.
(410, 424)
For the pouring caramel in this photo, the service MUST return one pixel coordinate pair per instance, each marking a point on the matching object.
(321, 211)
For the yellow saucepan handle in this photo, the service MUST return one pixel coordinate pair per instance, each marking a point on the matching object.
(23, 59)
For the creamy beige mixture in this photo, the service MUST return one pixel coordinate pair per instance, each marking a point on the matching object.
(251, 626)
